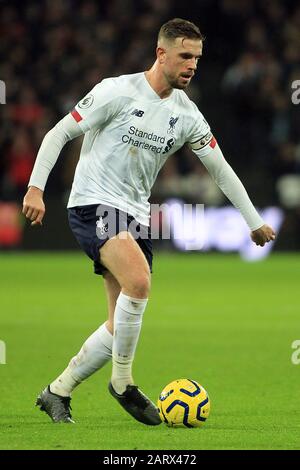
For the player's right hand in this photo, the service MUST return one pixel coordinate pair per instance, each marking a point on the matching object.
(33, 205)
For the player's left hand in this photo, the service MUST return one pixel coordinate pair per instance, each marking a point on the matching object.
(263, 235)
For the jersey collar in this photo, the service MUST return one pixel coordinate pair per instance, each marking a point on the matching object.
(152, 93)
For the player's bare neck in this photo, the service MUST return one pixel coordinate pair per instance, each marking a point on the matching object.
(155, 80)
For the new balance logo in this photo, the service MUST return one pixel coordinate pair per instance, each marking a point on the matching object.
(138, 113)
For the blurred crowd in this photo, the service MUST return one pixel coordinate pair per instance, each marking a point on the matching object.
(53, 52)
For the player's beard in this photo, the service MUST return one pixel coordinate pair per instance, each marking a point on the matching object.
(178, 82)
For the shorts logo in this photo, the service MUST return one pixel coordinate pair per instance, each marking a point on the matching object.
(101, 226)
(86, 102)
(137, 112)
(172, 124)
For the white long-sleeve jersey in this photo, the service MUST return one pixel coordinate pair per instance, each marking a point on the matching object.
(129, 134)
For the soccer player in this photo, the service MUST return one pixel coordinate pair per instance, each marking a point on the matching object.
(131, 125)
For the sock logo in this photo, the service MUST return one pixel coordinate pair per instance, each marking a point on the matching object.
(135, 304)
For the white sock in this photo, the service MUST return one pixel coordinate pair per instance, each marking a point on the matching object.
(127, 326)
(93, 355)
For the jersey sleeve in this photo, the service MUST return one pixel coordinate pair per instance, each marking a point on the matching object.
(66, 129)
(232, 187)
(200, 139)
(98, 107)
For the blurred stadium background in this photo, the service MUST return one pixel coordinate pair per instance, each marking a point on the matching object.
(53, 52)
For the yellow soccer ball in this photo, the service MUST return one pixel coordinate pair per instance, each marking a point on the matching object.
(184, 403)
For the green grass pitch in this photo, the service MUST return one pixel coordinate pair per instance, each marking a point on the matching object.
(215, 319)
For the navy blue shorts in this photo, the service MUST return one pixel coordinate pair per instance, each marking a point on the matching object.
(93, 225)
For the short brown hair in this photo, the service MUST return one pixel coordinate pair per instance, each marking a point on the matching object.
(178, 28)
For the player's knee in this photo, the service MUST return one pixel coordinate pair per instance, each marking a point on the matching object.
(142, 287)
(139, 285)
